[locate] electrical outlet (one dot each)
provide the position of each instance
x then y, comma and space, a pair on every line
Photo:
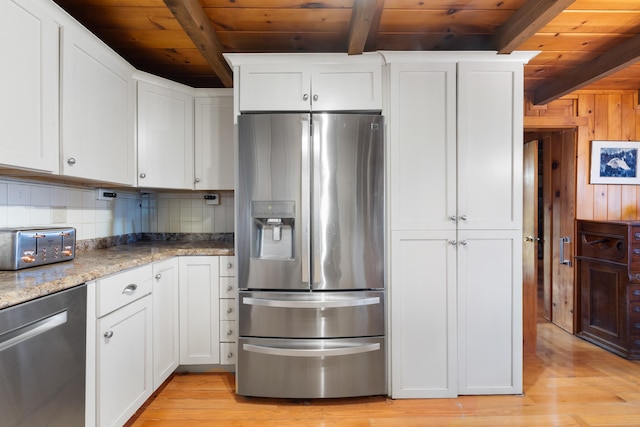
212, 199
106, 194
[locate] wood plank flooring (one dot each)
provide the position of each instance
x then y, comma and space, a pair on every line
568, 382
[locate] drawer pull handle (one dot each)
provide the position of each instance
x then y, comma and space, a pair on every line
636, 236
636, 309
130, 289
636, 292
636, 251
108, 334
637, 342
636, 325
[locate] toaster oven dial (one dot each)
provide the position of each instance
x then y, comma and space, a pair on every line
28, 257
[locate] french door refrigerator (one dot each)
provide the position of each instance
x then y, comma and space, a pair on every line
310, 255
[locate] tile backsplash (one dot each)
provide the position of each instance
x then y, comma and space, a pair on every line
34, 204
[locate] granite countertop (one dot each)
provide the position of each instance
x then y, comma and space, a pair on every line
30, 283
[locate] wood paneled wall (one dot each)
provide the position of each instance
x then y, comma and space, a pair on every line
600, 115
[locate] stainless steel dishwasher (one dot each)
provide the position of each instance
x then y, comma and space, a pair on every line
42, 361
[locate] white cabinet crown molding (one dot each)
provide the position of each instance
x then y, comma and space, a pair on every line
523, 56
237, 59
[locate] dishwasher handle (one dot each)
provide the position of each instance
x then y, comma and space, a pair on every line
355, 302
31, 330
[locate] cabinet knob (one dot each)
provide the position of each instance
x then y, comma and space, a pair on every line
143, 175
229, 355
197, 180
71, 161
315, 98
108, 334
463, 217
229, 310
453, 242
158, 276
229, 288
229, 332
463, 242
453, 218
229, 265
305, 97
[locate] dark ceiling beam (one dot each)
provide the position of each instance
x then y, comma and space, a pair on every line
191, 17
527, 21
365, 17
613, 60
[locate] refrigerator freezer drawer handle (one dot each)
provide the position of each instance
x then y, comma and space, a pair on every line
311, 304
291, 352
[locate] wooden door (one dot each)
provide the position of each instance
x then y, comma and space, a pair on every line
560, 169
530, 246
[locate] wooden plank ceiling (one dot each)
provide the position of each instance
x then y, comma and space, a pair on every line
584, 44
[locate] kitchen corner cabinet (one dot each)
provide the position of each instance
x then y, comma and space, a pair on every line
29, 86
199, 310
308, 82
98, 110
455, 159
214, 138
165, 134
166, 333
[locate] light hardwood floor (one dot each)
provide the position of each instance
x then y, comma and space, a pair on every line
569, 382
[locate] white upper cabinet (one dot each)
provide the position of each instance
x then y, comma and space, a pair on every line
29, 86
98, 110
307, 82
490, 119
423, 149
214, 140
165, 134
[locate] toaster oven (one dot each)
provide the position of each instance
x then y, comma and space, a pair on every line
30, 247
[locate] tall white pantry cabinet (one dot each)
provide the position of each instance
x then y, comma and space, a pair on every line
454, 127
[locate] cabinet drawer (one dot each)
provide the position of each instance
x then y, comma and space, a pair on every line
123, 288
228, 331
634, 293
604, 247
227, 353
228, 287
227, 265
228, 309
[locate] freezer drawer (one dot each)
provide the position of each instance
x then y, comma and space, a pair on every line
306, 369
311, 314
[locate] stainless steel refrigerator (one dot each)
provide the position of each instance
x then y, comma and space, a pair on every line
310, 255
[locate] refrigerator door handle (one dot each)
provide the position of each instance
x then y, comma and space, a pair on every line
305, 208
311, 304
321, 352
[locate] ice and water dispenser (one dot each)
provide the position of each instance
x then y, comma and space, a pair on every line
273, 229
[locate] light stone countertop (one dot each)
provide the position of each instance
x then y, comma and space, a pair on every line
30, 283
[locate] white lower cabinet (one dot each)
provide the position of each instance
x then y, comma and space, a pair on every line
123, 345
199, 308
489, 314
166, 333
424, 328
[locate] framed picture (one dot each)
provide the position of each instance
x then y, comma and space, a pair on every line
615, 162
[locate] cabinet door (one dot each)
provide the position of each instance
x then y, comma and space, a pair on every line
29, 86
165, 137
166, 334
98, 110
490, 145
275, 87
214, 143
199, 310
490, 312
422, 151
423, 314
124, 376
346, 87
